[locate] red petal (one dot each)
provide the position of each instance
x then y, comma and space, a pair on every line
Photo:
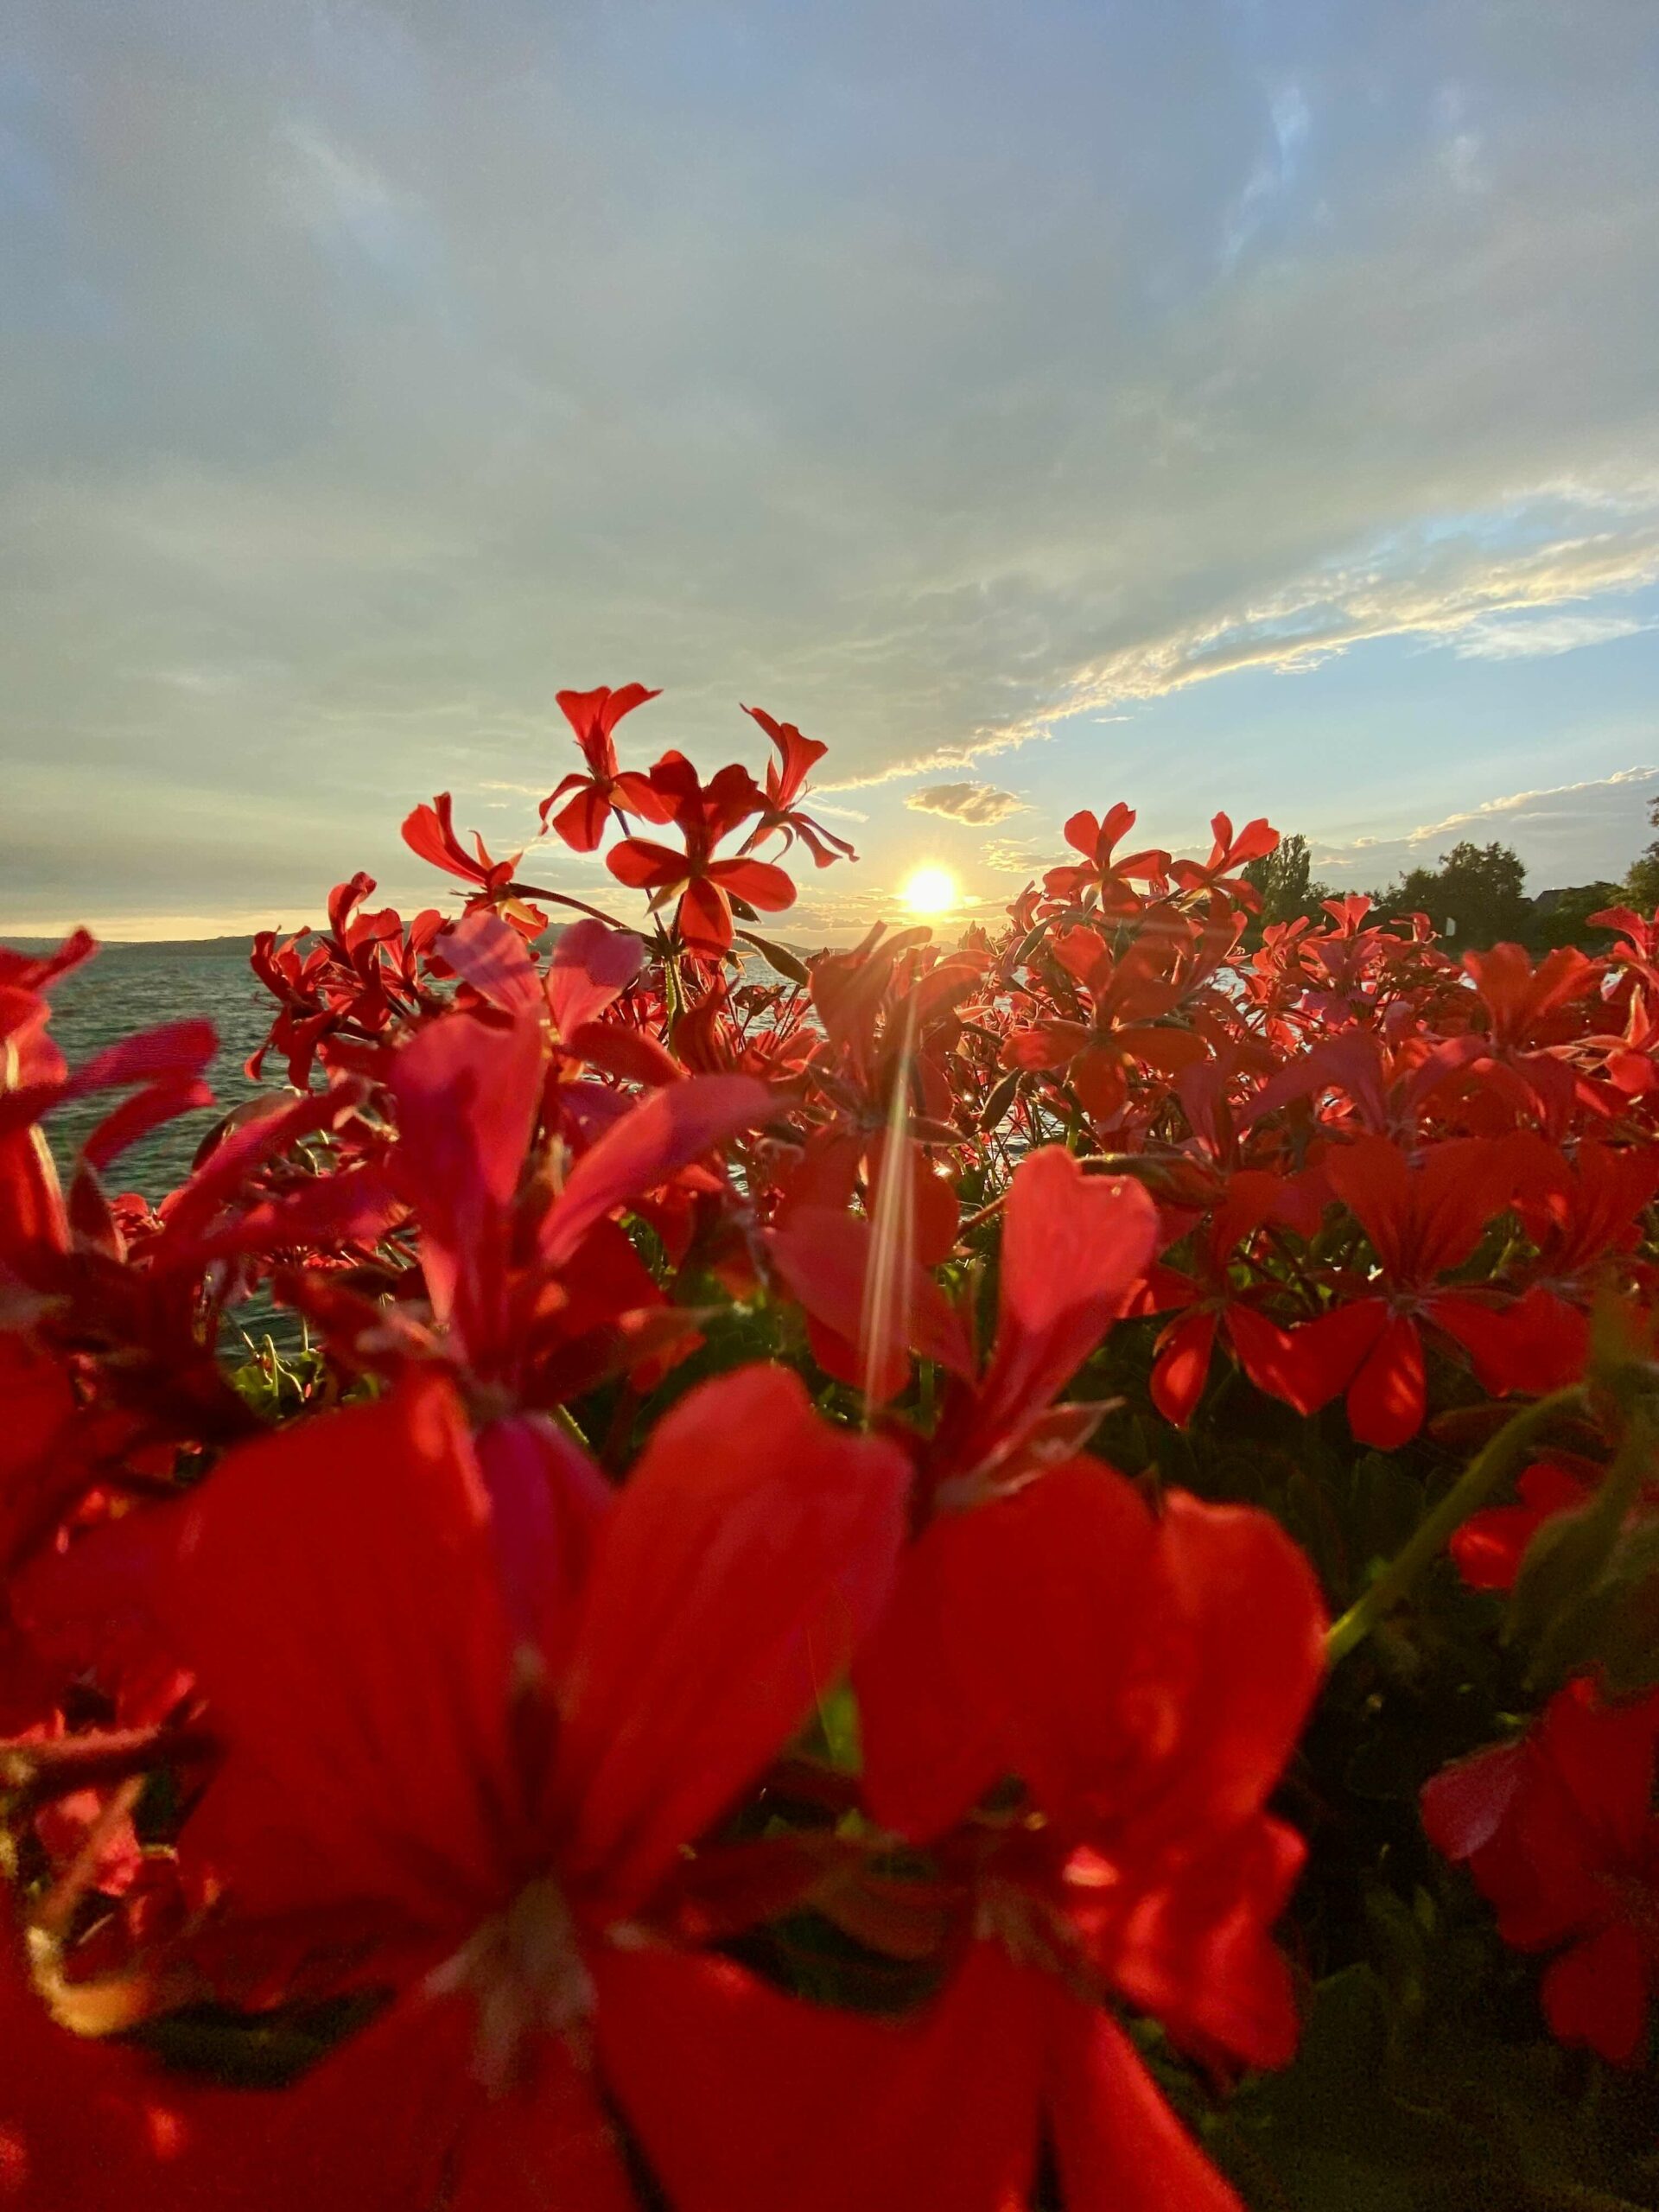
639, 795
592, 965
703, 919
826, 1259
1388, 1398
1599, 1993
1101, 1082
467, 1097
136, 1116
745, 2100
747, 1554
1182, 1366
580, 822
1464, 1804
646, 867
485, 952
174, 1051
1265, 1351
544, 2142
601, 709
933, 1746
1233, 1656
757, 881
334, 1590
1538, 1343
1073, 1248
1489, 1547
1121, 2148
429, 831
664, 1133
1196, 1950
632, 1054
1031, 1603
1324, 1356
1044, 1045
548, 1502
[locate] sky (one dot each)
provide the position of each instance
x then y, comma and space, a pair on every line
1242, 405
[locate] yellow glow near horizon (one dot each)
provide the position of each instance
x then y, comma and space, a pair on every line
932, 891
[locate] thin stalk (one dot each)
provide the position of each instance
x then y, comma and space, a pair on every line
885, 1319
1502, 1456
562, 899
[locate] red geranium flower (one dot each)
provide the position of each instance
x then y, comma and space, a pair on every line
472, 1723
1560, 1831
1107, 877
589, 799
1423, 1219
703, 814
786, 785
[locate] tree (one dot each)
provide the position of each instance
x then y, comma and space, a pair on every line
1641, 884
1566, 918
1282, 878
1477, 896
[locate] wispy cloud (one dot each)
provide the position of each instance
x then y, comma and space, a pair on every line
1550, 799
1488, 638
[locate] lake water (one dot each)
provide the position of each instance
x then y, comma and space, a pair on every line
131, 986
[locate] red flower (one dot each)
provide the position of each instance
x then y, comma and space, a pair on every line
1211, 1300
703, 814
1489, 1548
590, 798
1228, 855
1559, 1832
1109, 878
486, 1790
785, 784
1074, 1249
430, 831
744, 2098
1125, 1000
468, 1094
1423, 1220
1146, 1680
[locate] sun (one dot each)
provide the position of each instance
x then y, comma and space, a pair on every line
932, 891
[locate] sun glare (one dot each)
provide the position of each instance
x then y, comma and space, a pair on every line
932, 891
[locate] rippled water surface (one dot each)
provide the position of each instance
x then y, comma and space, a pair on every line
130, 987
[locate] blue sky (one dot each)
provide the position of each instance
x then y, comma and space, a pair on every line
1229, 405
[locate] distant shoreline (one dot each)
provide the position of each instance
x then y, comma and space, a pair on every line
112, 947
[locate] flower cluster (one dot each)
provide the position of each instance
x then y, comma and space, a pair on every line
650, 1689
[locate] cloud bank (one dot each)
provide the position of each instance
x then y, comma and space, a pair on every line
373, 371
1563, 832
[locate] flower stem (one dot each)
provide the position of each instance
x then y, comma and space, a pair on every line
1499, 1458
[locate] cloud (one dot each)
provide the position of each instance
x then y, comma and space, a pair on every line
1028, 857
1564, 832
1489, 640
980, 805
916, 386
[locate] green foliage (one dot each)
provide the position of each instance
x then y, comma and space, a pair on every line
1282, 877
1477, 896
1402, 2101
1641, 884
1568, 921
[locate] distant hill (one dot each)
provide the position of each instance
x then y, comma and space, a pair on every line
193, 948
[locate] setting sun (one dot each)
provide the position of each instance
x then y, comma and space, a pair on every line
932, 891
